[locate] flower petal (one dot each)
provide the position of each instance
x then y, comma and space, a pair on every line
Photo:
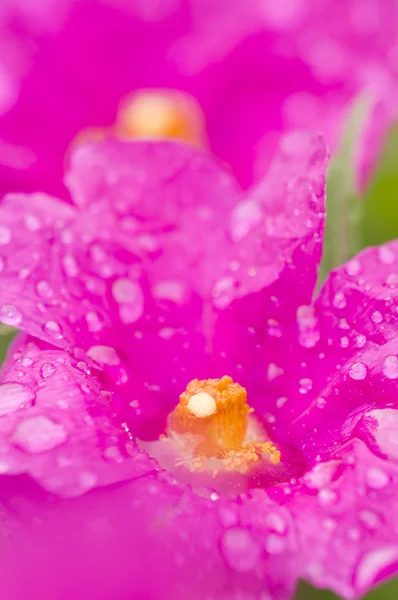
346, 520
144, 538
340, 351
57, 423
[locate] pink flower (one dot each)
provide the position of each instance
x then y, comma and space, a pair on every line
163, 271
245, 73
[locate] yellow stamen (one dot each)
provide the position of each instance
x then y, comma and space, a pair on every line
160, 114
210, 426
153, 113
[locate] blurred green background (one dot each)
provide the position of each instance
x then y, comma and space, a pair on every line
376, 222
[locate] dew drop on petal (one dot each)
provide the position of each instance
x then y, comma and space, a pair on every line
38, 434
47, 370
103, 355
26, 361
386, 255
53, 329
240, 550
44, 290
70, 266
358, 371
373, 564
376, 316
5, 235
32, 222
339, 300
14, 396
10, 315
353, 267
376, 478
88, 480
124, 290
369, 518
94, 322
390, 367
305, 385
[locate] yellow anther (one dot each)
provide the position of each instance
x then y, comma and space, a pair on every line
210, 426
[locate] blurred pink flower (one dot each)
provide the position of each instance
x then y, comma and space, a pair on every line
130, 293
256, 69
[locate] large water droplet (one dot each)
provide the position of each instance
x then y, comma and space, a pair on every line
70, 266
377, 478
376, 316
44, 290
14, 396
339, 300
390, 367
47, 370
128, 294
240, 550
38, 434
94, 322
103, 355
373, 564
10, 315
53, 329
358, 371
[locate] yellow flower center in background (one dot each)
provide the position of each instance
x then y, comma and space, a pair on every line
154, 113
211, 428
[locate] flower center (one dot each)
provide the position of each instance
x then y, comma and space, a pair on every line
212, 427
154, 113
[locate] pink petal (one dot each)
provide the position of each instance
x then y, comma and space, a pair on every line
346, 522
58, 426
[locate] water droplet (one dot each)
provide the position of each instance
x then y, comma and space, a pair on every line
390, 367
26, 361
103, 355
376, 316
70, 266
360, 341
5, 235
47, 370
38, 434
344, 342
32, 222
274, 544
83, 366
53, 329
369, 518
94, 322
128, 294
10, 315
358, 371
376, 478
275, 522
240, 550
174, 291
44, 290
305, 385
353, 267
372, 565
327, 497
88, 480
281, 401
273, 371
339, 300
14, 396
167, 333
309, 334
274, 329
386, 255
